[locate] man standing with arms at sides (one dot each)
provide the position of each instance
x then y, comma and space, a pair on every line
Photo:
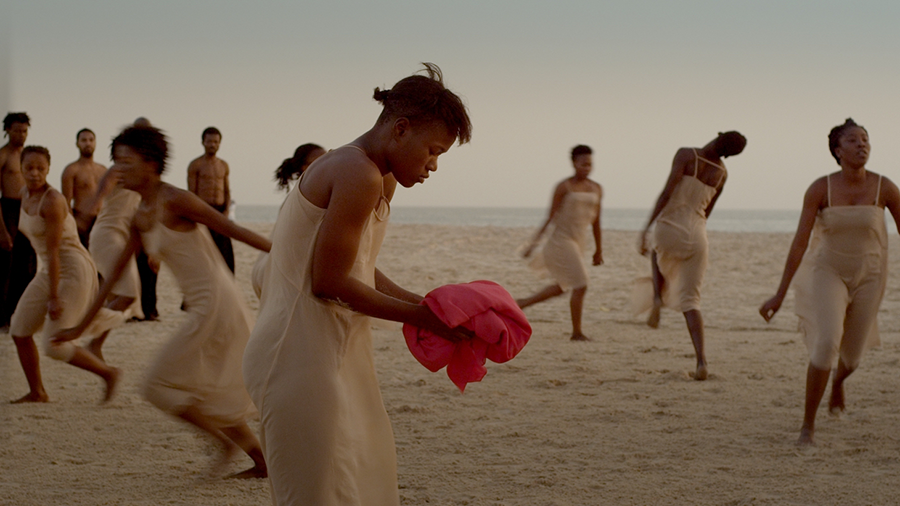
208, 179
17, 260
79, 183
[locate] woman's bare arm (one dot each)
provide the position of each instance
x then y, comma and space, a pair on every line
812, 202
559, 193
54, 211
190, 207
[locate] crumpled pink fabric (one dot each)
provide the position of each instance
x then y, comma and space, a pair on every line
485, 308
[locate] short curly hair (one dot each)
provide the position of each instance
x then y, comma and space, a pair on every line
148, 142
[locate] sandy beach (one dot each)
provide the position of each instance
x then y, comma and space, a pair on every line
614, 421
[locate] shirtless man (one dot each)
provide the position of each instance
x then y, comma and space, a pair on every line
79, 183
17, 260
208, 179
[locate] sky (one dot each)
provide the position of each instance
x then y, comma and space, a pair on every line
634, 79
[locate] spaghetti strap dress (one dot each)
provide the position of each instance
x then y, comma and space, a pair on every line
309, 368
78, 286
200, 366
680, 241
563, 253
108, 239
840, 282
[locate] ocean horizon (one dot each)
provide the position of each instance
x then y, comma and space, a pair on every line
722, 220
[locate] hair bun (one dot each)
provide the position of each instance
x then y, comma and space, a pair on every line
381, 95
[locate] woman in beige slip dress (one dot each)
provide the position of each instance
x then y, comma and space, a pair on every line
65, 283
110, 235
197, 374
575, 207
840, 279
680, 249
309, 362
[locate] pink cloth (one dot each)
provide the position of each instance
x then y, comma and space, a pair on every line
485, 308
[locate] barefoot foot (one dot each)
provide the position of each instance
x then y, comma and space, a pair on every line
836, 401
701, 373
806, 437
579, 337
31, 397
111, 383
253, 472
217, 470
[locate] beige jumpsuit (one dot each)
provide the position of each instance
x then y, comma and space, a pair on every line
309, 368
840, 282
680, 242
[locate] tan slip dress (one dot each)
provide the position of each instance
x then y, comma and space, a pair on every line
78, 286
309, 368
840, 282
563, 253
200, 365
108, 239
680, 241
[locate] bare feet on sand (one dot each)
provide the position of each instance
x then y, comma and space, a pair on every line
806, 437
701, 373
653, 319
217, 470
111, 383
836, 402
31, 397
579, 337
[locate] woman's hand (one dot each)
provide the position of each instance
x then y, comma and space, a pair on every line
598, 257
65, 335
771, 306
428, 320
54, 308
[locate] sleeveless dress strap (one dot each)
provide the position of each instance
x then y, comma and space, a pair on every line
878, 191
828, 181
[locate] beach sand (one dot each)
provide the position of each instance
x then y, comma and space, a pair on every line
614, 421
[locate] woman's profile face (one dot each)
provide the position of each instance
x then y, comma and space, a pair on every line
853, 147
35, 168
130, 167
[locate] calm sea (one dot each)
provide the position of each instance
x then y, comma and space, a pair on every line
723, 220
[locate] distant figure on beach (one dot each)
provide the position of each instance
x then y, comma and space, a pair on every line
60, 293
208, 179
309, 365
18, 262
197, 375
841, 278
79, 183
286, 174
574, 208
680, 248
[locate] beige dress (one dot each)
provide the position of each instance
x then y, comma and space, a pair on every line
563, 253
680, 239
201, 365
108, 239
840, 282
78, 286
309, 369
